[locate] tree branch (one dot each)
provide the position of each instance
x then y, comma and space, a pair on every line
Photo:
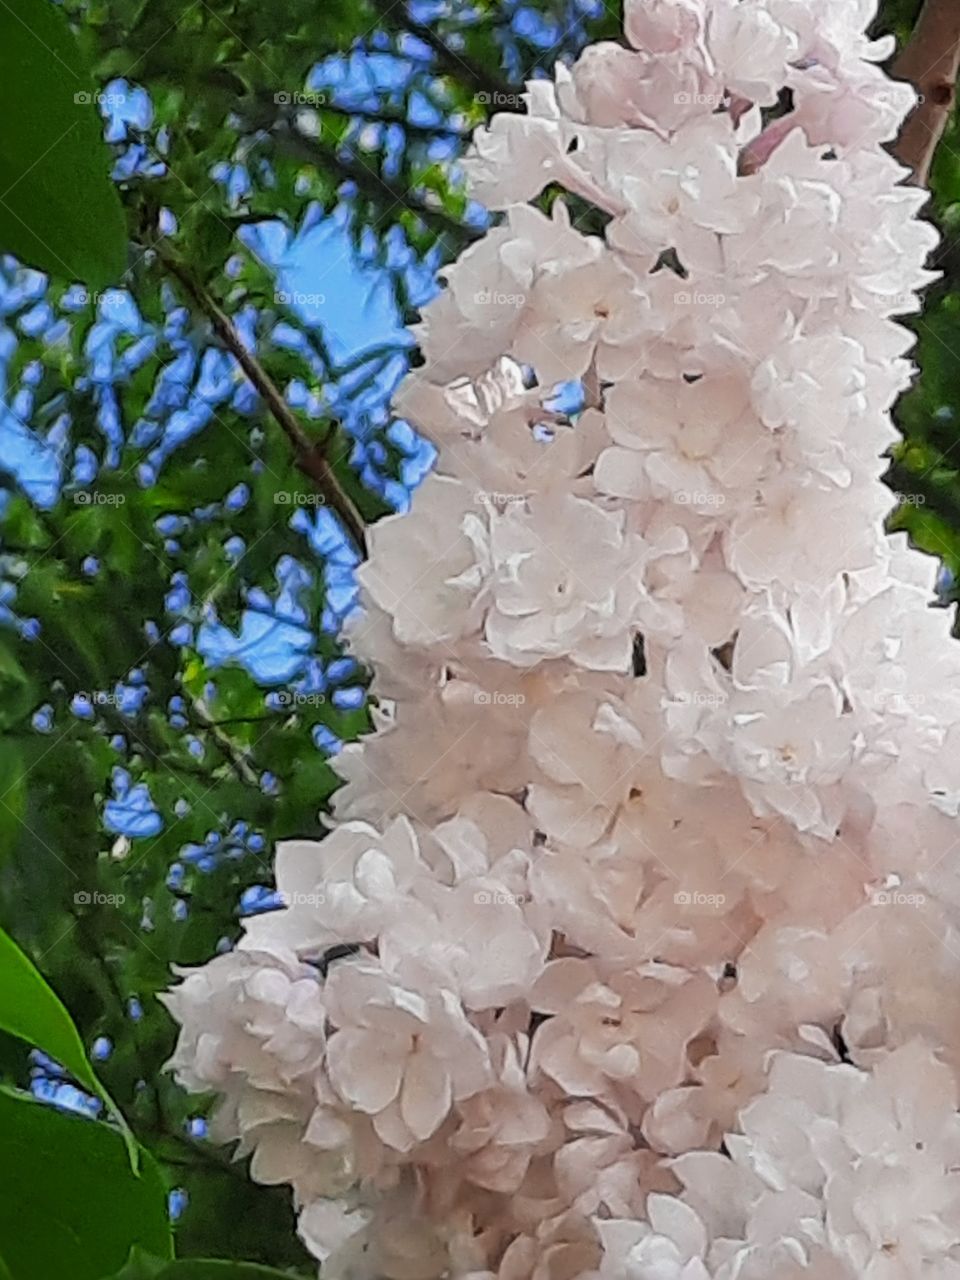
310, 455
363, 115
929, 61
235, 754
460, 65
425, 132
316, 152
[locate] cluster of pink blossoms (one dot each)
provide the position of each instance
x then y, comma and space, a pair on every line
634, 951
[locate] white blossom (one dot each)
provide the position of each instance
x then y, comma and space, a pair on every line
633, 951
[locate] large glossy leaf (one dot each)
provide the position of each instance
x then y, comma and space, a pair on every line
142, 1267
69, 1203
32, 1012
59, 209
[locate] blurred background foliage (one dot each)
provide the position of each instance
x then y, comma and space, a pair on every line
187, 452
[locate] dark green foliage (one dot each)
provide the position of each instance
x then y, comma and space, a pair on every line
925, 469
70, 1205
59, 211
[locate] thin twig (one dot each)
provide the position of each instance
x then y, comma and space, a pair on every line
460, 65
310, 455
929, 61
237, 756
368, 180
362, 115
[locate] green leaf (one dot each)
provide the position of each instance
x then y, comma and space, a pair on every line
219, 1269
69, 1204
13, 796
59, 209
139, 1266
142, 1267
31, 1011
17, 693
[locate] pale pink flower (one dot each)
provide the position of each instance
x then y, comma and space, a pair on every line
752, 50
693, 444
257, 1015
400, 1056
547, 600
859, 1166
648, 865
474, 938
628, 1029
423, 567
344, 888
501, 1128
664, 26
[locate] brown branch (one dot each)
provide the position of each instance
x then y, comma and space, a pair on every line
310, 455
929, 61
